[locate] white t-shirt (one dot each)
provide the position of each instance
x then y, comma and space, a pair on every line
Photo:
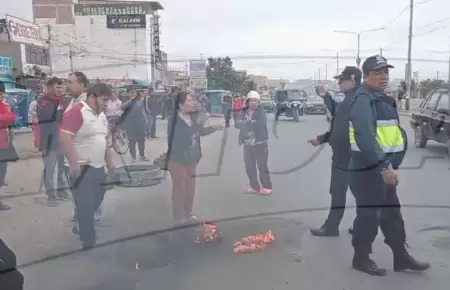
113, 108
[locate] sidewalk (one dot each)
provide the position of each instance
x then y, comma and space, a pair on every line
24, 176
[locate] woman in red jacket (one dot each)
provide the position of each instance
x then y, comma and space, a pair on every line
7, 152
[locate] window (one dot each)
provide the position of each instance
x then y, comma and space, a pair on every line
433, 101
36, 55
443, 102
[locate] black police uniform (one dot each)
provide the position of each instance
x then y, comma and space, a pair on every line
377, 202
338, 138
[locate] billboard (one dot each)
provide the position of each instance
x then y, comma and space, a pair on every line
198, 83
24, 32
197, 68
113, 9
125, 21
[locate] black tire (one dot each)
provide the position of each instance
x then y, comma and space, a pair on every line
420, 137
139, 175
120, 141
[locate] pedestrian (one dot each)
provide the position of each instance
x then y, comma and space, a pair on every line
7, 151
378, 145
78, 83
134, 119
253, 134
10, 277
184, 153
337, 136
33, 119
238, 105
50, 111
83, 137
227, 108
153, 108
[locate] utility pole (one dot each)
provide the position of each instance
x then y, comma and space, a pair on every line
358, 59
152, 52
319, 74
437, 75
49, 41
71, 57
381, 51
326, 71
448, 65
337, 63
408, 73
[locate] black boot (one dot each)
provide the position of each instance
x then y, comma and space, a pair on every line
325, 231
366, 265
404, 261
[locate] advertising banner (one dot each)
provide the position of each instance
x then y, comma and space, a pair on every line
125, 21
24, 32
197, 68
5, 65
198, 83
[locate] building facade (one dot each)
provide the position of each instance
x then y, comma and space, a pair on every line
104, 39
259, 81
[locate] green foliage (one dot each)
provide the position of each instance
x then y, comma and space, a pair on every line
222, 76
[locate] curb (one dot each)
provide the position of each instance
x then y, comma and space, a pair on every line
404, 113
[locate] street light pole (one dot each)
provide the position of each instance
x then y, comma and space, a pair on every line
408, 67
358, 36
449, 64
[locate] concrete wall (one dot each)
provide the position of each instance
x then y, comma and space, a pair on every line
98, 51
12, 50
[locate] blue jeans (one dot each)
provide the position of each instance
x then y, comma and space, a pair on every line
151, 126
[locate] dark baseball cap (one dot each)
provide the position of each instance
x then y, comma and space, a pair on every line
348, 72
375, 62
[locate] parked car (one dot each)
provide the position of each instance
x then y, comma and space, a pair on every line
267, 103
431, 120
315, 105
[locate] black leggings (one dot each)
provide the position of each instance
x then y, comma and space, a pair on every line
136, 135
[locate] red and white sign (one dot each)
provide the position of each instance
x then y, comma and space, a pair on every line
24, 32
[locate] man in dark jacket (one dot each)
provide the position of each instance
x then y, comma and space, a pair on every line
337, 137
50, 111
10, 277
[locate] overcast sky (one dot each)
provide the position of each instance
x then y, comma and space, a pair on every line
291, 27
248, 27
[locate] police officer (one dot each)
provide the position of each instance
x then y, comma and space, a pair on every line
378, 145
337, 136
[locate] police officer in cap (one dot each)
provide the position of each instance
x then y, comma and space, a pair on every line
378, 145
337, 136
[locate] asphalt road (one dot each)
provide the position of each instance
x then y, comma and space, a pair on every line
135, 257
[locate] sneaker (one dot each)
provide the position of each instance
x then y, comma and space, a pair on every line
52, 202
133, 160
64, 195
4, 206
154, 137
266, 191
88, 245
325, 232
143, 158
252, 191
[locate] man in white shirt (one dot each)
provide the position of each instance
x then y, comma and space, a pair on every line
113, 106
83, 140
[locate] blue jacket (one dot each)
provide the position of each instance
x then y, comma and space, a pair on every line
255, 126
368, 107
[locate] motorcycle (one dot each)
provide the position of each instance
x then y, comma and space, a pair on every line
290, 109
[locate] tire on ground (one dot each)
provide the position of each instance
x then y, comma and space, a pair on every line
138, 175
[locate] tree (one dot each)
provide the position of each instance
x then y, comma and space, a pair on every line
428, 85
222, 76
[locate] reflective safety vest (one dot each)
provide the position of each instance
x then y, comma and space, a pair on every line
389, 136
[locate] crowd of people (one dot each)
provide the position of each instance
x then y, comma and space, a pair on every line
365, 135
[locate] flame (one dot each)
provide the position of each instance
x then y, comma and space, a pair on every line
208, 232
253, 243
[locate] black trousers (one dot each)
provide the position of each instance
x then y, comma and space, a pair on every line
88, 191
3, 171
136, 135
377, 206
256, 158
11, 280
339, 183
228, 117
